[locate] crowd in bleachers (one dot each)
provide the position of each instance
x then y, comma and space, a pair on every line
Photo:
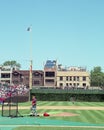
7, 90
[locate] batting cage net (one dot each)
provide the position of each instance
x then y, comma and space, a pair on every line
10, 109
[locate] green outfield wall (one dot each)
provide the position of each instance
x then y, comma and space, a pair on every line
68, 95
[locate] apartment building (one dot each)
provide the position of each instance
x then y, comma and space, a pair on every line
6, 74
15, 76
22, 77
50, 69
53, 75
73, 77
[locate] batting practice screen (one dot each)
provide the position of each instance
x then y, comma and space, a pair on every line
9, 109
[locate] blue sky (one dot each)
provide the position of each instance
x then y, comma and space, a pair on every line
70, 31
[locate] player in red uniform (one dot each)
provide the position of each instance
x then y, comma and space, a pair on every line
34, 100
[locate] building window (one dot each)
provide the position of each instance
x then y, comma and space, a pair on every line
66, 78
74, 84
5, 75
49, 74
15, 74
70, 78
84, 78
74, 78
84, 84
77, 78
70, 84
61, 84
61, 78
49, 80
36, 82
36, 74
67, 84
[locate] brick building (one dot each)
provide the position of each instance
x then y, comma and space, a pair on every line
22, 77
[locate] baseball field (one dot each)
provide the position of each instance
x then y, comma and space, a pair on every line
62, 115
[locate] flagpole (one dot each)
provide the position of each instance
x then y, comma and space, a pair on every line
30, 80
30, 71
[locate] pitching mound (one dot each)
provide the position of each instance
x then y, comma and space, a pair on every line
64, 114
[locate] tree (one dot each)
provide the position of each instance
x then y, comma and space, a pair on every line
12, 63
97, 77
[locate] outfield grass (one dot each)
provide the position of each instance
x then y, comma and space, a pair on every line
84, 116
64, 103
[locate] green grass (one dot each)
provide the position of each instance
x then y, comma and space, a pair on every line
64, 103
84, 116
